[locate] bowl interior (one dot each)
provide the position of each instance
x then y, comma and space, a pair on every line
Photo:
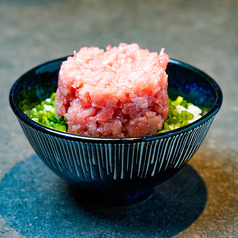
192, 84
36, 85
184, 80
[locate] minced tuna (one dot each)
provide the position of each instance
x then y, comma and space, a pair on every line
120, 92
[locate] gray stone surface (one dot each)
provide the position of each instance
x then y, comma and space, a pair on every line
201, 33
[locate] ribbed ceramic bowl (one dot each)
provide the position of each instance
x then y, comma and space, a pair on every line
116, 171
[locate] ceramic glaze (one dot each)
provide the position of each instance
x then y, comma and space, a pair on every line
117, 170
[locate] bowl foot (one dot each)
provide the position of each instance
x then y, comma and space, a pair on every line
110, 198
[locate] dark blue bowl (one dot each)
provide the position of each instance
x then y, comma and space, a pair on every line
121, 170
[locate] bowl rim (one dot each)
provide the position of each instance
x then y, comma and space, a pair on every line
210, 114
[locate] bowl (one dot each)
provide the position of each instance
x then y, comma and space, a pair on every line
116, 171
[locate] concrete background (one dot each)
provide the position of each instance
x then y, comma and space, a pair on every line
202, 33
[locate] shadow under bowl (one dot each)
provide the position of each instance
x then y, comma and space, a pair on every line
116, 170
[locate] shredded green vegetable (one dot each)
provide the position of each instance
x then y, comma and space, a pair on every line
44, 114
178, 116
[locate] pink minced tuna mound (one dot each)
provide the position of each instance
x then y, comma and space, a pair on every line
120, 92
